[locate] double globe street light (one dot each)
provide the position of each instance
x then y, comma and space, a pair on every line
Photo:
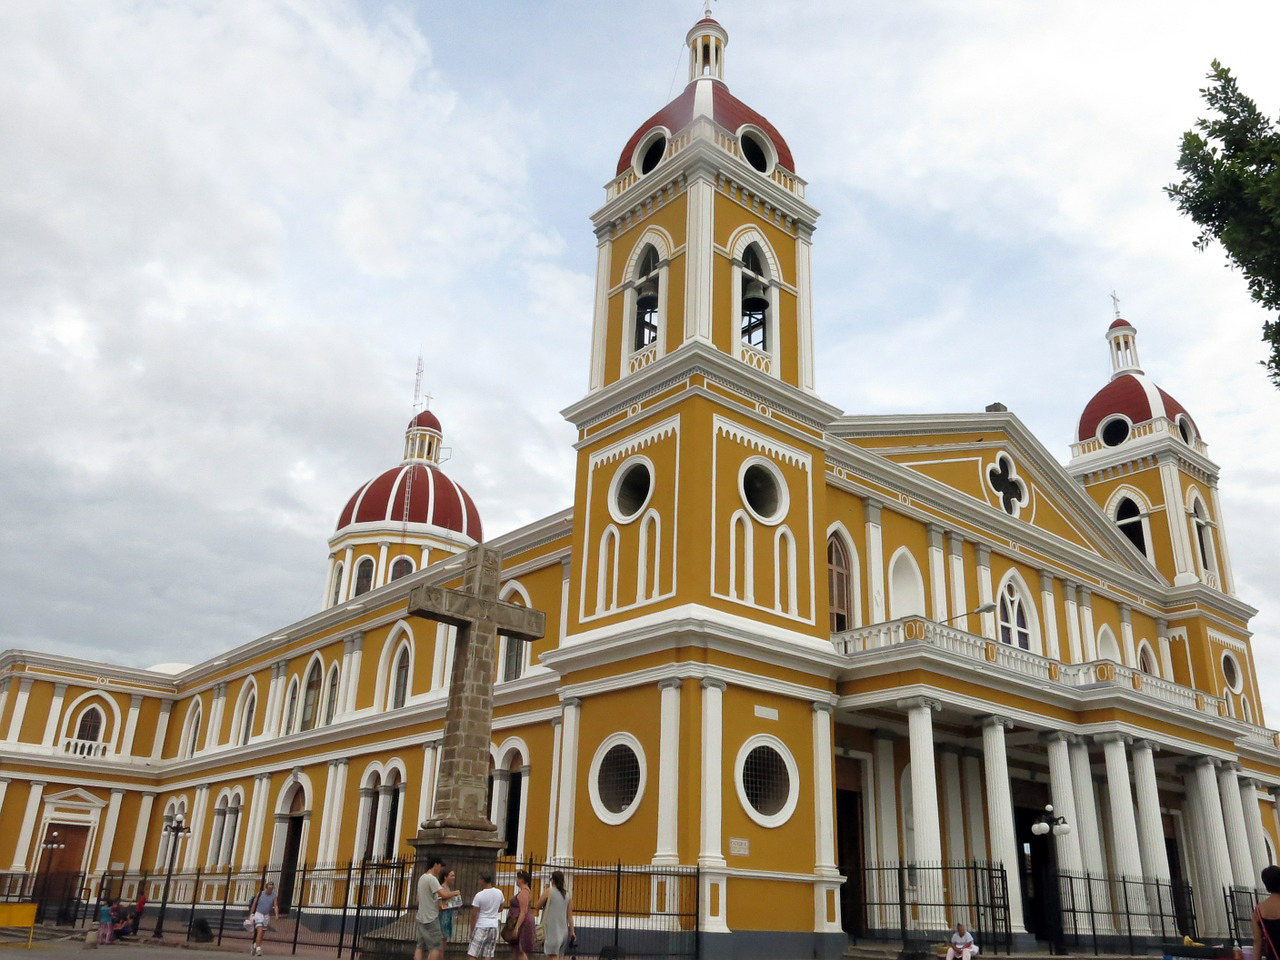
175, 830
1047, 824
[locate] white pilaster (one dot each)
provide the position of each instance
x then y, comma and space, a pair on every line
804, 314
711, 850
1183, 561
600, 320
257, 816
357, 658
1124, 834
1089, 635
668, 851
953, 791
198, 809
1253, 825
1155, 858
1004, 848
107, 832
55, 715
568, 778
1127, 648
130, 725
886, 799
1071, 613
19, 710
213, 729
380, 575
875, 561
699, 200
141, 827
975, 812
230, 827
26, 832
1050, 619
924, 779
1166, 650
162, 728
1064, 799
334, 825
1211, 827
959, 604
985, 592
1233, 821
937, 573
344, 593
824, 790
427, 793
1086, 823
553, 799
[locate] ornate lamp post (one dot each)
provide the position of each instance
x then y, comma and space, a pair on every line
175, 830
1047, 824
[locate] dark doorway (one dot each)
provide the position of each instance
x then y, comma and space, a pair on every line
511, 828
1036, 864
849, 860
292, 845
1182, 909
58, 871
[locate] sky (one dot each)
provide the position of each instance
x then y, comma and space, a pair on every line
228, 230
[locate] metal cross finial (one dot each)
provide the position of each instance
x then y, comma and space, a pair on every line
1115, 302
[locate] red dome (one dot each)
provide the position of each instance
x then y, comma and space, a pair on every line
1134, 396
726, 110
1117, 323
425, 419
433, 499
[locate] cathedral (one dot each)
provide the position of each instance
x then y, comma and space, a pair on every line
785, 645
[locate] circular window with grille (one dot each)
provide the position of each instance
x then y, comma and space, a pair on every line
631, 489
768, 780
1231, 673
617, 778
763, 490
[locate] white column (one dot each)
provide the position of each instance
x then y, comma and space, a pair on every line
668, 850
1064, 799
333, 827
1155, 858
257, 811
380, 576
937, 573
326, 818
952, 790
804, 309
1071, 613
130, 725
216, 837
1050, 617
1253, 826
1275, 807
198, 808
985, 593
886, 799
162, 728
522, 819
554, 792
275, 696
55, 715
711, 850
698, 286
213, 728
600, 323
975, 810
875, 561
353, 683
141, 827
1212, 828
1233, 820
30, 817
924, 779
1086, 809
1124, 834
1004, 848
107, 832
1166, 651
230, 827
19, 710
959, 604
381, 822
5, 683
427, 794
824, 789
1220, 540
1089, 636
1127, 648
345, 592
1183, 562
568, 778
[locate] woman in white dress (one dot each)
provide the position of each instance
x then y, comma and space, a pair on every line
557, 917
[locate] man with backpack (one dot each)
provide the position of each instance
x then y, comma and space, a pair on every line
261, 911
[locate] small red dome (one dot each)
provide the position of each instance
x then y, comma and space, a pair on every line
1121, 323
1134, 396
426, 419
433, 499
726, 110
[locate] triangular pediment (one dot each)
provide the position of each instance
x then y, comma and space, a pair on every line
75, 797
995, 461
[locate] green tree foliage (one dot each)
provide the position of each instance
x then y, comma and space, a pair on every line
1231, 189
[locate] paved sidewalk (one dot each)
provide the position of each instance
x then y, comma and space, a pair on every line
127, 950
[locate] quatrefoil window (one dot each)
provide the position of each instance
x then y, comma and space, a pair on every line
1007, 485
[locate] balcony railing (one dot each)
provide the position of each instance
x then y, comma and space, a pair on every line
84, 748
991, 655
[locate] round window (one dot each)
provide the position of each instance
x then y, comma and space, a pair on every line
617, 778
1184, 429
1115, 432
1231, 672
754, 151
631, 488
763, 490
768, 781
650, 153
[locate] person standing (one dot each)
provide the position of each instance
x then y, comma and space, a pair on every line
526, 940
430, 945
448, 905
557, 917
486, 905
1266, 918
261, 912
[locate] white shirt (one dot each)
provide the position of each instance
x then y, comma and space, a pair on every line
490, 901
959, 941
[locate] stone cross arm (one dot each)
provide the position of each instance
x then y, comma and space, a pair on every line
465, 610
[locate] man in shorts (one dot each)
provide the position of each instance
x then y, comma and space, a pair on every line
430, 936
487, 904
261, 912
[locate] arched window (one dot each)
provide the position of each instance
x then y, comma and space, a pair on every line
364, 576
838, 584
755, 300
1129, 520
906, 587
331, 695
337, 586
90, 728
1015, 626
246, 724
371, 822
1204, 537
646, 319
193, 732
1147, 661
1108, 649
291, 711
401, 568
400, 686
311, 697
393, 813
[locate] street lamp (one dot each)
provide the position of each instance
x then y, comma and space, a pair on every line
175, 830
1046, 824
987, 607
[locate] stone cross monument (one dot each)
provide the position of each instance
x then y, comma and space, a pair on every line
459, 829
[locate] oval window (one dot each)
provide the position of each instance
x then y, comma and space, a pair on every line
652, 153
619, 778
754, 151
1115, 432
632, 486
763, 491
1231, 672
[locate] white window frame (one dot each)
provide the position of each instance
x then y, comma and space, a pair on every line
620, 738
793, 777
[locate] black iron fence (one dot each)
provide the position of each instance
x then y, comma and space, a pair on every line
1104, 914
1240, 903
368, 909
57, 896
918, 903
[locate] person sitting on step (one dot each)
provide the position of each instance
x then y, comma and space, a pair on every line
962, 945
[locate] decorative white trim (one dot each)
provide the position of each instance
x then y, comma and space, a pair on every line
904, 555
784, 493
621, 738
793, 778
763, 140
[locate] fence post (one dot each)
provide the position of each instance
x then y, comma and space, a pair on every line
1093, 916
617, 907
902, 903
297, 916
226, 895
195, 896
697, 912
346, 896
355, 930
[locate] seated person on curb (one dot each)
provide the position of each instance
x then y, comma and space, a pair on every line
962, 945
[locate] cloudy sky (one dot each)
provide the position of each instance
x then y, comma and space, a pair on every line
227, 230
